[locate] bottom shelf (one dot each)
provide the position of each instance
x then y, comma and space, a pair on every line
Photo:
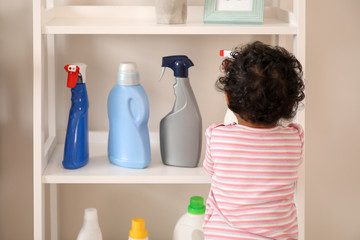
100, 170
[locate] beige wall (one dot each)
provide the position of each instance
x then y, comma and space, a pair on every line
332, 120
332, 114
15, 120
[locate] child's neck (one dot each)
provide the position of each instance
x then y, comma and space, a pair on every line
253, 125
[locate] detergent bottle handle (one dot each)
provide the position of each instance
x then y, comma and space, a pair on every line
137, 109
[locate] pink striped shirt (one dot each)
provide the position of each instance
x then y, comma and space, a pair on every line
253, 180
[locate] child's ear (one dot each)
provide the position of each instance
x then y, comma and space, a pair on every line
227, 98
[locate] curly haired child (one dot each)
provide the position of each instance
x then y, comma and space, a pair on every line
253, 165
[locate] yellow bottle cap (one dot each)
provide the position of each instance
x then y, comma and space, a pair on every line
138, 230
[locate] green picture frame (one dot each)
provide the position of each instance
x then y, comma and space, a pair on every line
213, 15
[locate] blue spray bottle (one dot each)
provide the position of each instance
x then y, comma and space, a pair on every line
76, 152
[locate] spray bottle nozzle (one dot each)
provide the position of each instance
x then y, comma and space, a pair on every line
227, 54
178, 63
73, 74
74, 71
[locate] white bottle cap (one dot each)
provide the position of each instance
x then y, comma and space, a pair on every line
90, 229
90, 214
128, 74
82, 71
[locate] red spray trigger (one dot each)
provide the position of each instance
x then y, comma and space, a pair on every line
227, 55
73, 74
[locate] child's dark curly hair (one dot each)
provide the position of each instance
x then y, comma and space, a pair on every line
263, 83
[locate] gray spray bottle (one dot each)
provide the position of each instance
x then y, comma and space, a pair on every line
181, 130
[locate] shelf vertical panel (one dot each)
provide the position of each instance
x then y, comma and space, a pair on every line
38, 138
300, 49
50, 53
50, 50
54, 227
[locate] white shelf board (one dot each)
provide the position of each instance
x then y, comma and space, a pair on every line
142, 20
100, 170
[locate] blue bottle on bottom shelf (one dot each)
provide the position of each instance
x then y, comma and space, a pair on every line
128, 112
76, 152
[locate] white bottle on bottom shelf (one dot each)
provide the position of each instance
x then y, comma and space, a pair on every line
189, 226
90, 229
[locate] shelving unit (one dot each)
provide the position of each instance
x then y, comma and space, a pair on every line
284, 19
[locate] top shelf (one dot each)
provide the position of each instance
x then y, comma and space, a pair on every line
142, 20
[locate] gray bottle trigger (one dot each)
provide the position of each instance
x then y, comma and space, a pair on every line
181, 129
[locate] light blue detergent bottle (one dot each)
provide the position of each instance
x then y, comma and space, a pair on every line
128, 111
76, 151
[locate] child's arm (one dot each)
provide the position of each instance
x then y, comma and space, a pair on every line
208, 163
301, 136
